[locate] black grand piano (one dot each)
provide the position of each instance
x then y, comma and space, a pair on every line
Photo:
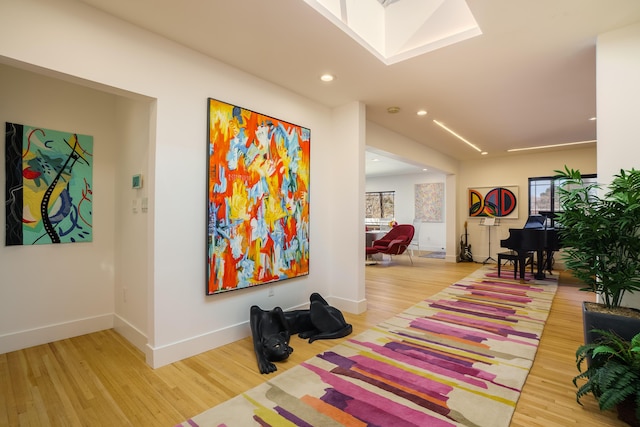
534, 237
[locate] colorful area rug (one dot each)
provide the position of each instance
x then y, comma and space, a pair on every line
458, 358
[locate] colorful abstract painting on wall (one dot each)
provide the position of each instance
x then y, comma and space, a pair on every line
49, 194
500, 202
258, 199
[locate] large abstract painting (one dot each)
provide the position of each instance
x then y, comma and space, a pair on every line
498, 202
49, 193
258, 199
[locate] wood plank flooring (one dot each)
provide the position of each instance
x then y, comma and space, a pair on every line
101, 380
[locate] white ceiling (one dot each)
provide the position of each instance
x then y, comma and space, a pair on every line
528, 80
379, 163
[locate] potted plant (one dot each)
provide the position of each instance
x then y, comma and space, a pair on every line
601, 246
613, 374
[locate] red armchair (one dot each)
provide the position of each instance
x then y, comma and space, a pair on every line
395, 242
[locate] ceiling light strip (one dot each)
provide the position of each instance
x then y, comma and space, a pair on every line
539, 147
457, 136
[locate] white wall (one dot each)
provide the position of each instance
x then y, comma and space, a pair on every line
345, 169
49, 292
89, 47
432, 235
392, 142
618, 95
133, 227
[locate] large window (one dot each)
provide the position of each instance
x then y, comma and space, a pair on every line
544, 196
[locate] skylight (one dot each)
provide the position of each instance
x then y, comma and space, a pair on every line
396, 30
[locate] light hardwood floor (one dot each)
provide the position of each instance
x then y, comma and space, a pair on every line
101, 380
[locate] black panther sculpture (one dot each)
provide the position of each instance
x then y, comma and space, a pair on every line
271, 329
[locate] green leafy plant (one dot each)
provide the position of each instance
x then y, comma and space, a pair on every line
600, 235
613, 374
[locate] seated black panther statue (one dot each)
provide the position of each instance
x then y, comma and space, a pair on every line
272, 329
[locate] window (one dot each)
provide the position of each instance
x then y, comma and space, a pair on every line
379, 205
544, 196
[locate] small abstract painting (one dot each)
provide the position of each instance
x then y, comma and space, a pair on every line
258, 199
499, 202
49, 193
429, 203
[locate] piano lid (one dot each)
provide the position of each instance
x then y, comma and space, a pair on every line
535, 221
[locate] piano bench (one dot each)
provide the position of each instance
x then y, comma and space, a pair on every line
515, 258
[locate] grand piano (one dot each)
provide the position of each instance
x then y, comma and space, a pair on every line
534, 237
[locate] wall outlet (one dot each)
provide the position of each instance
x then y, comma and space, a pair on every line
124, 294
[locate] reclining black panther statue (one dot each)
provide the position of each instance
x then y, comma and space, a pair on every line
271, 329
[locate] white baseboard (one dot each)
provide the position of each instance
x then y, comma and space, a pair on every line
166, 354
132, 334
155, 356
350, 306
50, 333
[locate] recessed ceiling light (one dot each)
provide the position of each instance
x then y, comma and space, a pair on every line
422, 112
593, 119
327, 77
393, 110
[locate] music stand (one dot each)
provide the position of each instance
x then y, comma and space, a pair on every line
489, 222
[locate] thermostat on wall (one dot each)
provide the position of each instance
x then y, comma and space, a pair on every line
136, 181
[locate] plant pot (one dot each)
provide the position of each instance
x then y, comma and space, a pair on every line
624, 321
627, 413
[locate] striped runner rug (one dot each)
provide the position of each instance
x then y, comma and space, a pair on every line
459, 358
